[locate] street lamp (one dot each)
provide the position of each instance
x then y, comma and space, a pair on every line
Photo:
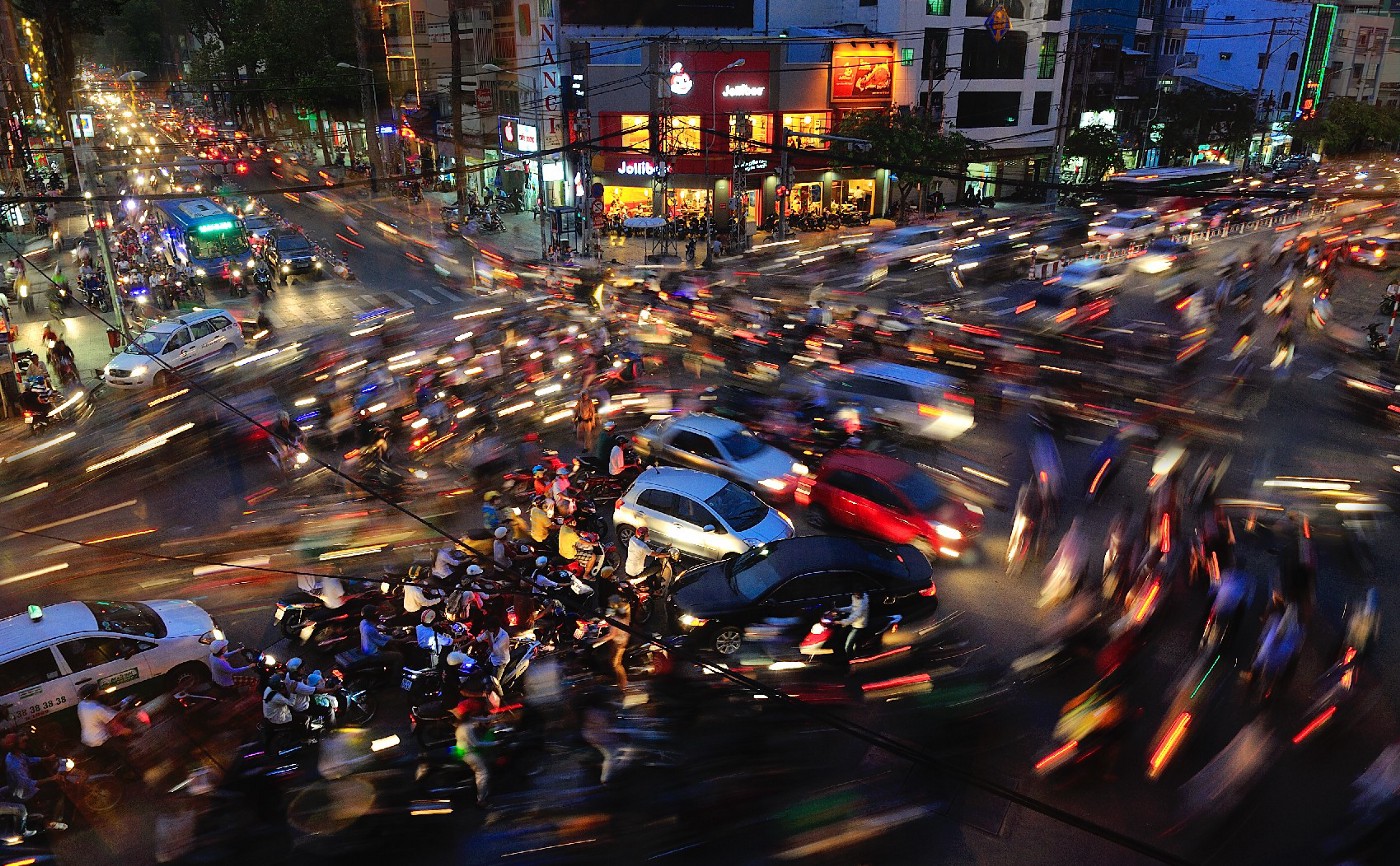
709, 177
374, 96
528, 87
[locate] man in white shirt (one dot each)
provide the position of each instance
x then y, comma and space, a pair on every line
449, 559
94, 718
331, 593
617, 460
432, 640
857, 618
416, 597
642, 560
496, 635
500, 551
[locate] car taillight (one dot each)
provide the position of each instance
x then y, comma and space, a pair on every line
930, 591
803, 494
618, 504
959, 398
929, 411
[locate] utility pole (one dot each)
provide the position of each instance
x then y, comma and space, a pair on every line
369, 97
663, 141
1259, 91
738, 210
459, 150
784, 184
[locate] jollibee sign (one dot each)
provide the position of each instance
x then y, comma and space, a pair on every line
694, 79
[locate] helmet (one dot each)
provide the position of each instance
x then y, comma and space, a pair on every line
609, 425
456, 659
474, 571
218, 646
541, 561
314, 679
563, 472
642, 532
537, 468
538, 500
491, 496
369, 611
428, 616
501, 532
294, 664
276, 681
589, 537
619, 440
418, 572
87, 690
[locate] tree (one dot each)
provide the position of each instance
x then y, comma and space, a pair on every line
1190, 116
1348, 126
1100, 149
912, 144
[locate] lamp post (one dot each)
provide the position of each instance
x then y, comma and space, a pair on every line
522, 84
375, 142
709, 176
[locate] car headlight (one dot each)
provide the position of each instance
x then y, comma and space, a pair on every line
799, 469
420, 474
286, 269
139, 370
200, 272
688, 621
775, 484
948, 532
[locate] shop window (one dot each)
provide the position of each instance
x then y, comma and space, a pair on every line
939, 7
806, 196
627, 201
935, 52
1049, 50
984, 57
986, 109
684, 134
815, 123
756, 128
1040, 109
636, 131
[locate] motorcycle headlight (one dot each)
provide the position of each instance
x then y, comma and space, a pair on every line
237, 273
251, 264
688, 621
286, 269
200, 272
302, 458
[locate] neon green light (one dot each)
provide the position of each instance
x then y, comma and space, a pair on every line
210, 228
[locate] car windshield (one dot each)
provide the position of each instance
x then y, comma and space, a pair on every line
1123, 222
737, 507
127, 618
920, 490
753, 574
293, 244
741, 444
151, 342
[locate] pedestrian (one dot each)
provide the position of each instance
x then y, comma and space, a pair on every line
585, 418
620, 612
938, 202
970, 196
473, 714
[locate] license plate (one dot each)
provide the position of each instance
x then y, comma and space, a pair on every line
277, 617
407, 683
29, 419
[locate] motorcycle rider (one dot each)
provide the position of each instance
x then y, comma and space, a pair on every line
331, 593
618, 463
642, 559
539, 578
222, 671
497, 638
620, 612
101, 726
856, 617
19, 776
449, 560
500, 549
472, 714
490, 512
276, 708
432, 639
568, 539
421, 590
301, 691
602, 447
374, 643
541, 519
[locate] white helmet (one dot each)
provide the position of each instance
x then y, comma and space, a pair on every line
502, 532
474, 571
456, 659
218, 646
541, 561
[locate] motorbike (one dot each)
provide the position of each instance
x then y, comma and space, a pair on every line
643, 594
1376, 343
26, 297
1089, 724
826, 635
1338, 687
293, 617
1030, 525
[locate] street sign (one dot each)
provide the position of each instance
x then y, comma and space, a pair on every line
597, 191
484, 103
597, 212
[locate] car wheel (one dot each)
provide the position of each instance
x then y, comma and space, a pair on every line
624, 534
226, 354
195, 673
728, 640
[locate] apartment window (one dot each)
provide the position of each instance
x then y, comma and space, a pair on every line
1343, 38
939, 7
985, 109
1143, 44
1286, 100
932, 102
1174, 45
684, 133
420, 20
1363, 37
1049, 49
935, 52
870, 2
1147, 9
636, 131
1040, 109
815, 122
984, 57
1054, 10
1358, 72
1226, 55
1293, 61
983, 8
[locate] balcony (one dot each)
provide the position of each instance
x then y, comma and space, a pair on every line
1193, 16
1188, 61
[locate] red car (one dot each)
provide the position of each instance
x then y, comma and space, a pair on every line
891, 500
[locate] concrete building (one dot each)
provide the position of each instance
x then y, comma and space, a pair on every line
1356, 63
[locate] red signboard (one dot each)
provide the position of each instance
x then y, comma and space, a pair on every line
697, 77
484, 103
862, 73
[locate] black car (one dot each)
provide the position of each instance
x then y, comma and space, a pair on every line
796, 577
291, 253
993, 257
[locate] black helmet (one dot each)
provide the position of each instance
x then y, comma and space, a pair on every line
369, 611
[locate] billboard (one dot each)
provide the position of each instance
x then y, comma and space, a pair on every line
862, 73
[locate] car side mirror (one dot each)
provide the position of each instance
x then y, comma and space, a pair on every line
709, 527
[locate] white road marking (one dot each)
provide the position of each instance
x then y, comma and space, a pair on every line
373, 302
1322, 373
36, 573
398, 299
237, 563
425, 296
354, 307
110, 508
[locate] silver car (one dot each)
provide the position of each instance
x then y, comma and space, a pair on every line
699, 514
721, 446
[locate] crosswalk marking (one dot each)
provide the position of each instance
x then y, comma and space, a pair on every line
372, 301
354, 307
398, 299
1323, 373
425, 296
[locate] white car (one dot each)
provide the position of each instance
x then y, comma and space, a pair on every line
699, 514
721, 446
1375, 251
1093, 277
1128, 227
907, 246
48, 654
174, 344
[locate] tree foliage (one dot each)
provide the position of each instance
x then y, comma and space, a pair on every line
1100, 149
913, 143
1190, 116
1346, 126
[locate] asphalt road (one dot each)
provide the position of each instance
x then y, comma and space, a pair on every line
1300, 429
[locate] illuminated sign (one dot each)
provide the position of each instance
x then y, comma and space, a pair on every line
210, 228
732, 90
528, 137
1108, 117
82, 124
862, 73
639, 167
680, 81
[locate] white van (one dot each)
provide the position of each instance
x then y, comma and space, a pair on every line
47, 654
906, 247
174, 344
